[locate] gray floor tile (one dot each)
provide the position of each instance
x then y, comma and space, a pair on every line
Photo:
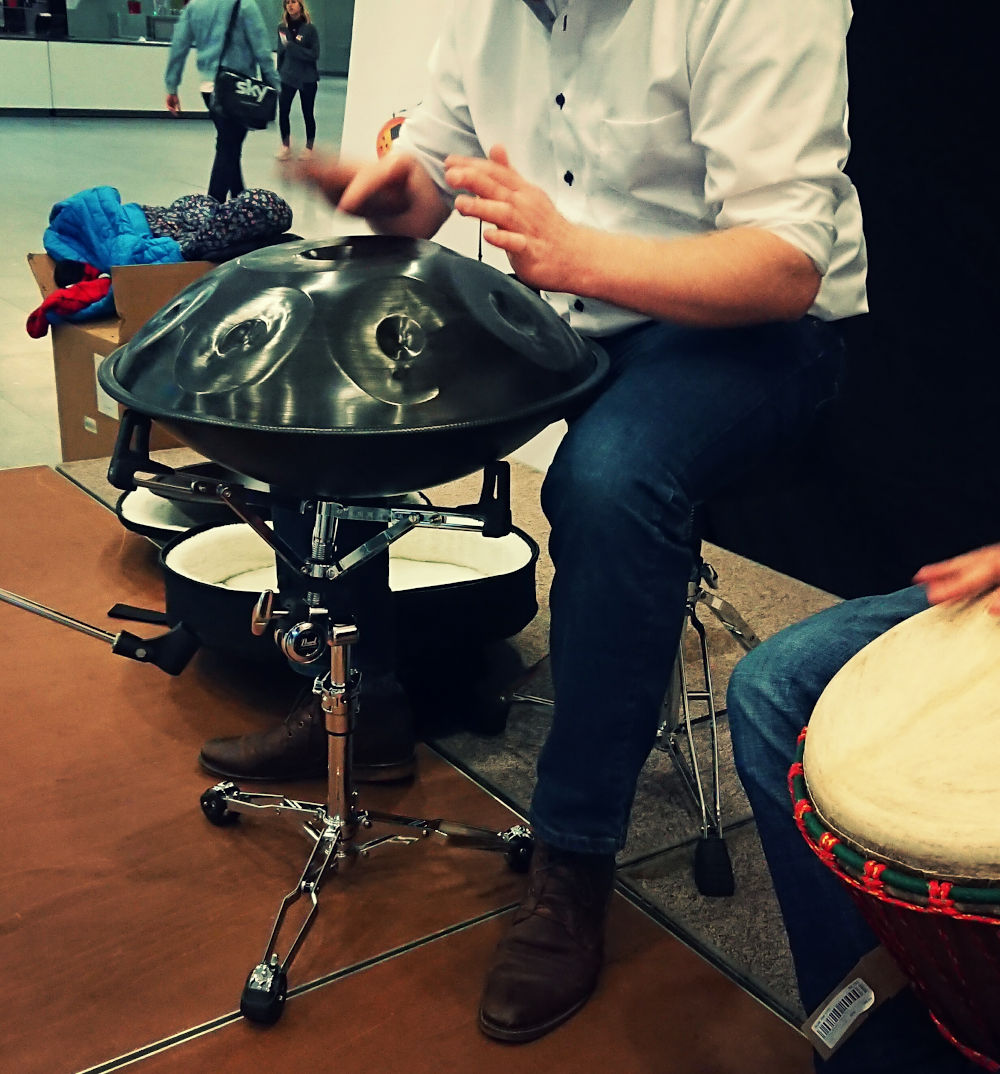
26, 441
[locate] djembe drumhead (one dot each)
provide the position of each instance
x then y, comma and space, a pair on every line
897, 793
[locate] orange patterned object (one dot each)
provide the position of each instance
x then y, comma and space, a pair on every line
387, 134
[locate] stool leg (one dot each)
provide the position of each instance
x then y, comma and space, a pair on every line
713, 870
712, 864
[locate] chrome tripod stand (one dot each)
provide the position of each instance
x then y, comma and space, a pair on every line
302, 631
713, 871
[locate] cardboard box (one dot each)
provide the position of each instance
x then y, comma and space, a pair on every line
88, 416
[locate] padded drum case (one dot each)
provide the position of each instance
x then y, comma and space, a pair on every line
452, 588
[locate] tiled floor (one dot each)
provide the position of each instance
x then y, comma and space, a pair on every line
150, 161
130, 923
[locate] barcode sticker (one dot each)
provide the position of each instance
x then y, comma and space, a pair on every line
843, 1010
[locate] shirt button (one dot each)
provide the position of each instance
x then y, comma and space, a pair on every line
568, 178
578, 306
560, 100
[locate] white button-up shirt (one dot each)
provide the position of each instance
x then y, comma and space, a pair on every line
662, 118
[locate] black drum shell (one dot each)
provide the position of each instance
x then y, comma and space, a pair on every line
429, 619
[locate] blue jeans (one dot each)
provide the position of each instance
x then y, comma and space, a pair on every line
772, 693
683, 413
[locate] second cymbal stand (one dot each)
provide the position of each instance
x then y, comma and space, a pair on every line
713, 871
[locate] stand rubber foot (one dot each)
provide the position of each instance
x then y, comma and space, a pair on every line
264, 995
518, 853
213, 805
713, 871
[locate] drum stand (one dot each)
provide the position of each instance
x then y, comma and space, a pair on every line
302, 631
713, 871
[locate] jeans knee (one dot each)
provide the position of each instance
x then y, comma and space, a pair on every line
588, 491
766, 713
572, 488
746, 682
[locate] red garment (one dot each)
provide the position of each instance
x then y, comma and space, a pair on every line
66, 300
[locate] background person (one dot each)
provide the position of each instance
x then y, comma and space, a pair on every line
202, 25
670, 178
298, 55
772, 694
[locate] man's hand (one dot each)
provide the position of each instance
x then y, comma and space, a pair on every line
395, 194
964, 576
545, 250
173, 104
738, 276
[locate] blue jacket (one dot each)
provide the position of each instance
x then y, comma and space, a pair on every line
202, 26
94, 226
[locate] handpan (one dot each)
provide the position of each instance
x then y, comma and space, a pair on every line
354, 368
897, 792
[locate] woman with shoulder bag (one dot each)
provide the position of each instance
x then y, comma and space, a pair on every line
204, 25
298, 53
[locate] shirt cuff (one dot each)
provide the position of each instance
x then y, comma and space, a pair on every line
800, 212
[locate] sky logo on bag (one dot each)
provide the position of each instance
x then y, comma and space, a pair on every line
247, 88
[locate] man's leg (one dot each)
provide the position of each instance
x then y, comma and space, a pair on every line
227, 175
771, 696
683, 413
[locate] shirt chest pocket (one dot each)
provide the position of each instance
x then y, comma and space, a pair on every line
637, 156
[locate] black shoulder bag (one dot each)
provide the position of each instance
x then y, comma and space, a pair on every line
240, 97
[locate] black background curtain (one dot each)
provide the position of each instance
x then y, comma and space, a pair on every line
904, 467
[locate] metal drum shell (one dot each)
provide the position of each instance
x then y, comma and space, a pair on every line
356, 368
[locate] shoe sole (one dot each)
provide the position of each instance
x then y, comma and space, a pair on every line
286, 777
530, 1033
384, 773
364, 773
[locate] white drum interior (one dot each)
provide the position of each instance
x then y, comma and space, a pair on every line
234, 557
143, 508
903, 750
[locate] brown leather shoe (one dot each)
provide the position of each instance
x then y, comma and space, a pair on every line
546, 967
383, 743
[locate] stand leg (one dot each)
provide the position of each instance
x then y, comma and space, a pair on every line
266, 988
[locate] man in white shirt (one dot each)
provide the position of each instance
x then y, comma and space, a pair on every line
668, 175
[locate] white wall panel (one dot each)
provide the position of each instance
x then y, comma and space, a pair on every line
125, 77
24, 74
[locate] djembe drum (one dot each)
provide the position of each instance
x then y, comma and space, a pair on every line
896, 790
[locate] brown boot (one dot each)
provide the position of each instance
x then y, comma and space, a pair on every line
546, 967
383, 742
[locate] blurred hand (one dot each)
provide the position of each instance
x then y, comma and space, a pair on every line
173, 104
394, 194
545, 250
965, 576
